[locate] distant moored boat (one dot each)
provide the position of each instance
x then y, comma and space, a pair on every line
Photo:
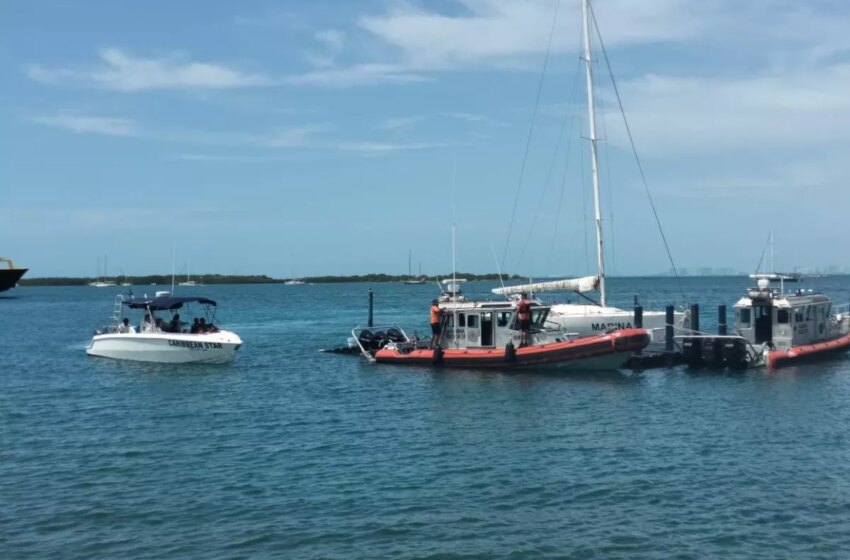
9, 276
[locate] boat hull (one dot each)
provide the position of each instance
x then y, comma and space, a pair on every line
608, 352
9, 277
167, 348
591, 320
795, 354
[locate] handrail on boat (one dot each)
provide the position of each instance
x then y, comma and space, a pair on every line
355, 334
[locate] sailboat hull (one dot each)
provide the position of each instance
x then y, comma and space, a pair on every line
593, 320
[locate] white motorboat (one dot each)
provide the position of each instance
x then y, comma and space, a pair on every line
294, 282
172, 342
591, 318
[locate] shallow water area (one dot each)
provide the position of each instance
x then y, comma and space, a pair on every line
290, 452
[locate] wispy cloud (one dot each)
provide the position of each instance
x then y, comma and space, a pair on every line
681, 114
396, 123
381, 148
120, 71
331, 42
81, 124
294, 137
357, 75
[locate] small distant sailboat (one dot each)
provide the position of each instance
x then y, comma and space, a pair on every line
189, 281
101, 281
774, 276
410, 279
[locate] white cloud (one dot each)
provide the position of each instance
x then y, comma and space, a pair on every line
672, 114
357, 75
123, 72
396, 123
378, 148
82, 124
294, 137
331, 41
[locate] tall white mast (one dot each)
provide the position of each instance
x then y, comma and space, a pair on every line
585, 17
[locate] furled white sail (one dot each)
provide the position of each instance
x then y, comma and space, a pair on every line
586, 284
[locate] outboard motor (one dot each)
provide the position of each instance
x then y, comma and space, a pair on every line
395, 335
368, 340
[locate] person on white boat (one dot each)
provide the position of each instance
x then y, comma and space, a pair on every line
174, 324
125, 327
523, 311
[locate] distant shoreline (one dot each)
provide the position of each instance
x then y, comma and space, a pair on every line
212, 279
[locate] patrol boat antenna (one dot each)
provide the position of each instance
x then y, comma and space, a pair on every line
585, 18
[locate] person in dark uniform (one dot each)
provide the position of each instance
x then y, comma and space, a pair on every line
435, 324
523, 311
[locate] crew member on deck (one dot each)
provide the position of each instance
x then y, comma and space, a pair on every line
435, 324
523, 311
125, 327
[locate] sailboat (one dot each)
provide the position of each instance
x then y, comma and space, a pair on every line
774, 276
189, 281
101, 281
410, 278
592, 318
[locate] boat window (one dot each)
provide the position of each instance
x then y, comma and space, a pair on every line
538, 316
461, 320
783, 316
503, 318
809, 314
798, 315
744, 317
472, 321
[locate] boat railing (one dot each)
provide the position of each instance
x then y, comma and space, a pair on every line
118, 309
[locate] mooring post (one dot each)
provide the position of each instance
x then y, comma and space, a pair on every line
721, 320
370, 307
638, 317
668, 329
695, 317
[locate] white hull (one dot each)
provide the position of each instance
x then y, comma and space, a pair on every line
167, 348
593, 320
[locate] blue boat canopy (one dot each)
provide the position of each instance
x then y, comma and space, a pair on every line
166, 303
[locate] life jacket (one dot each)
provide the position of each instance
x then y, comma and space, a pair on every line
435, 314
524, 311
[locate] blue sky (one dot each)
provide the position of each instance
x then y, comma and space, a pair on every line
327, 137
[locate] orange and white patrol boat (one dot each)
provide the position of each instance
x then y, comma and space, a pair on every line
485, 334
775, 328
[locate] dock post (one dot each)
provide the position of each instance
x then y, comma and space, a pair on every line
695, 317
371, 323
721, 320
638, 317
668, 329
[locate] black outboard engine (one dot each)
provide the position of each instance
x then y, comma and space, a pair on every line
395, 335
368, 340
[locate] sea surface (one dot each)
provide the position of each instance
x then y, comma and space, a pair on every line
289, 452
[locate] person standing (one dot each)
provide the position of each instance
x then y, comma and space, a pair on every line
435, 324
523, 311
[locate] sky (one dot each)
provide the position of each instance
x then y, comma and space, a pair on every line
301, 138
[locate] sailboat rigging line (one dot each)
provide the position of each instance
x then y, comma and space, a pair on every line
560, 204
763, 251
634, 151
552, 165
608, 180
498, 269
530, 131
585, 220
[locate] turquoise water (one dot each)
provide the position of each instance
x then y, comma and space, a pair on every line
293, 453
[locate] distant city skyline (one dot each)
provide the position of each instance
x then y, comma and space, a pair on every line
308, 138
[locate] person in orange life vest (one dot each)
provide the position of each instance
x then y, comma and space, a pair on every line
523, 311
435, 323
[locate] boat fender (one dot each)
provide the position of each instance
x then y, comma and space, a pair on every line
438, 355
510, 353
